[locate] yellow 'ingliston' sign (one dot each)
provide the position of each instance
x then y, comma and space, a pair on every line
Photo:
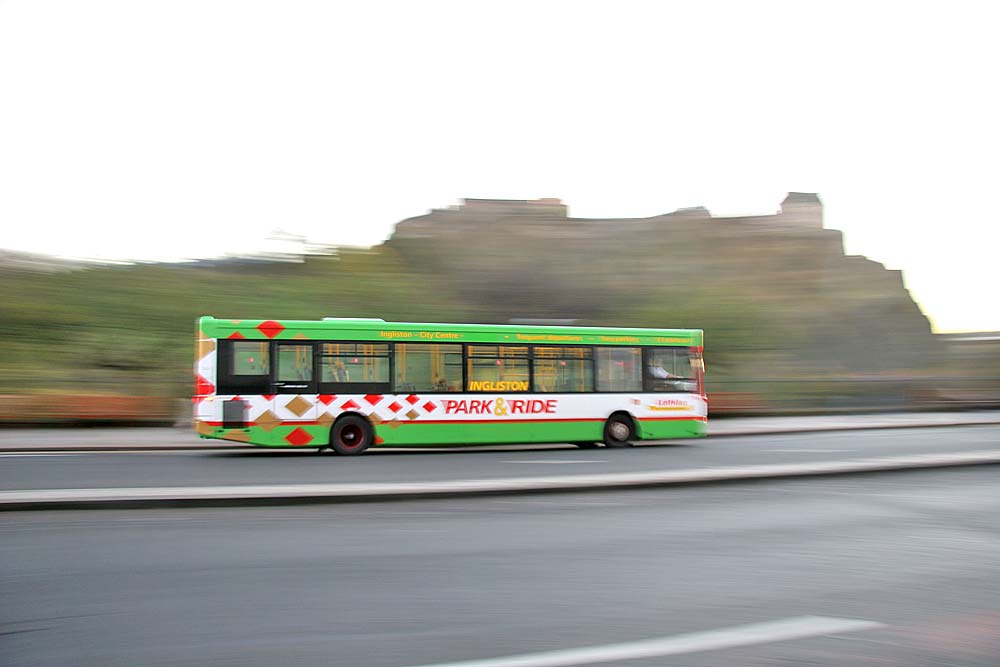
489, 385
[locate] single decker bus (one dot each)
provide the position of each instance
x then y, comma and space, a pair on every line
348, 384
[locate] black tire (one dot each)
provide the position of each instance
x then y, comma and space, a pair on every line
585, 445
351, 435
618, 431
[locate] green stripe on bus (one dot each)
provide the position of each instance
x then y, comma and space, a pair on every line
408, 332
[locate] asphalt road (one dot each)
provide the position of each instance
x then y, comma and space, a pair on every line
24, 471
916, 555
89, 438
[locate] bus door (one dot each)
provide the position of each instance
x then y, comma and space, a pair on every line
294, 382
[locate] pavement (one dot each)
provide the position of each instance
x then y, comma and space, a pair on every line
814, 423
890, 570
965, 444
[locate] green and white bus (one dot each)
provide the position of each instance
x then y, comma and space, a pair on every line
348, 384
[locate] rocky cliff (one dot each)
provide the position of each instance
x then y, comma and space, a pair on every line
778, 289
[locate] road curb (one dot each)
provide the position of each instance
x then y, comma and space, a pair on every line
854, 427
291, 494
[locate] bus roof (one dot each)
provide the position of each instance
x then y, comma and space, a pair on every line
378, 330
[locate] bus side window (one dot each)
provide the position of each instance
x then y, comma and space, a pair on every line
355, 368
563, 369
497, 368
294, 363
619, 369
244, 367
428, 367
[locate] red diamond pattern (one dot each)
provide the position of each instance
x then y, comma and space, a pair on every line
203, 386
395, 407
327, 399
267, 397
429, 407
350, 405
270, 328
299, 437
412, 400
237, 335
373, 398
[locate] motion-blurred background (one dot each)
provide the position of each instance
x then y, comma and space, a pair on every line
792, 323
149, 151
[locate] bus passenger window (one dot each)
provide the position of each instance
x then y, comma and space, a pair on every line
563, 369
353, 368
250, 358
244, 367
619, 369
497, 368
428, 367
294, 363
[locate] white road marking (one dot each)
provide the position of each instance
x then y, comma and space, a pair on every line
563, 461
740, 635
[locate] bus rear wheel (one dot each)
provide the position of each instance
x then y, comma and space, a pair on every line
618, 431
351, 435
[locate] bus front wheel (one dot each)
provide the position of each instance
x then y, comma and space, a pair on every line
351, 435
618, 431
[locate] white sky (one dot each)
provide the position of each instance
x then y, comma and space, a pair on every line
159, 130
